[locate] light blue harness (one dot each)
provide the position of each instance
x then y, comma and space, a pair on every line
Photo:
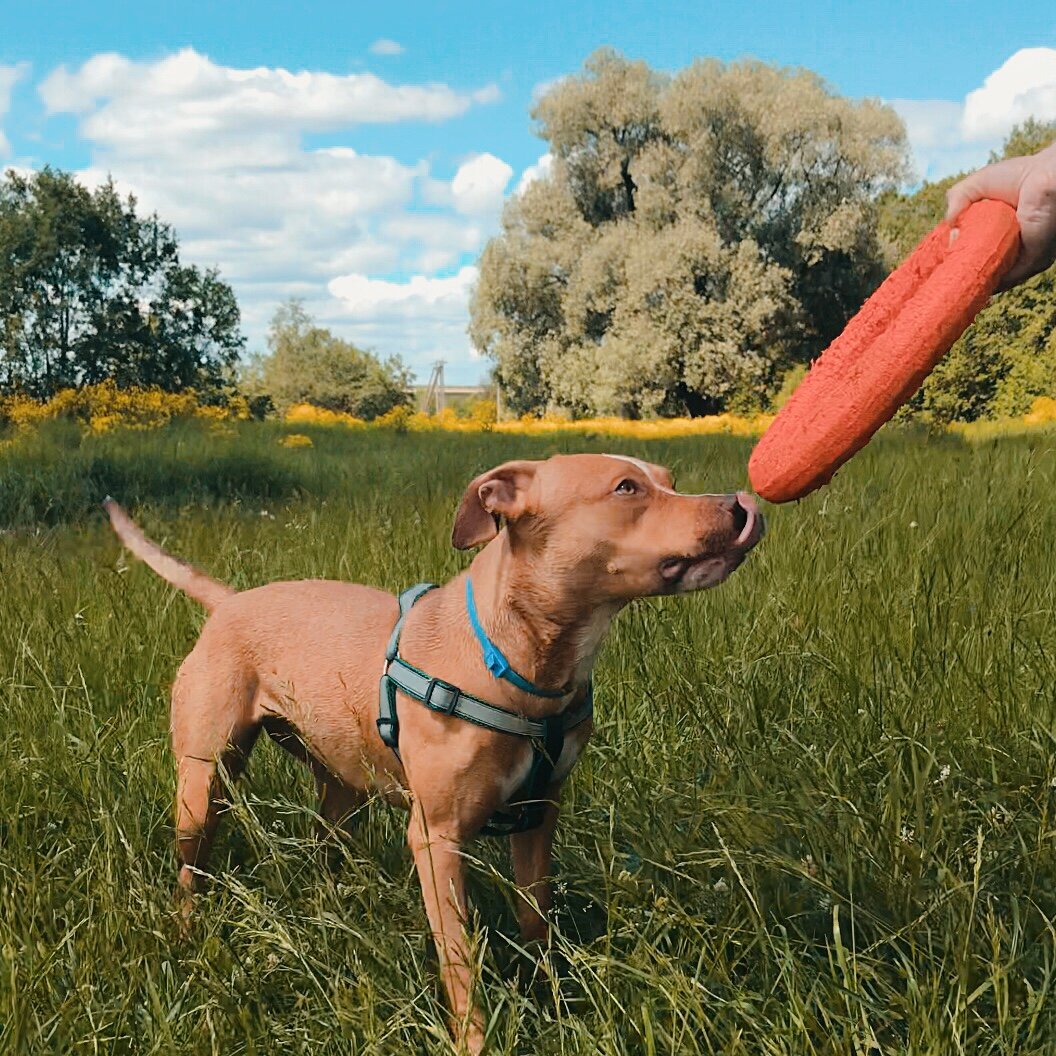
547, 736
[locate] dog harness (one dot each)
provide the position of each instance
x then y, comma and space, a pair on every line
547, 736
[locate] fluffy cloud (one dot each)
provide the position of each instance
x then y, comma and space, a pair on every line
219, 152
479, 185
203, 100
422, 318
384, 46
363, 297
9, 75
539, 171
948, 136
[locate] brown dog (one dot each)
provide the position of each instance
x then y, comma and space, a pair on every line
581, 536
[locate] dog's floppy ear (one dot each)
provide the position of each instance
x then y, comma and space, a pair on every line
501, 492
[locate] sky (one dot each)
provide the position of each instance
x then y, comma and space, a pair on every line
357, 155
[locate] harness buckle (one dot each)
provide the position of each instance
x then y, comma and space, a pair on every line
453, 691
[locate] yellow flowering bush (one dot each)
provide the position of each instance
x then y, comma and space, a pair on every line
104, 406
1042, 411
309, 414
397, 419
650, 429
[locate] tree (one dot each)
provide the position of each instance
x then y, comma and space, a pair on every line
89, 290
1008, 356
697, 235
308, 364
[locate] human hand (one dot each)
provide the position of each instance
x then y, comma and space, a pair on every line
1029, 186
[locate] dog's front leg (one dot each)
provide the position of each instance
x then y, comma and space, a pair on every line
531, 853
438, 859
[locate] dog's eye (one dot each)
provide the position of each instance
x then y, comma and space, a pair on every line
626, 487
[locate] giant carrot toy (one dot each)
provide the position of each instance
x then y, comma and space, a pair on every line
885, 351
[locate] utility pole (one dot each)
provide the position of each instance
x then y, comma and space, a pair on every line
435, 391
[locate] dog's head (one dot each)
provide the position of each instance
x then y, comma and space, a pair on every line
612, 526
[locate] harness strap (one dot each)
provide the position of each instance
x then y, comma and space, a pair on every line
441, 696
547, 735
388, 722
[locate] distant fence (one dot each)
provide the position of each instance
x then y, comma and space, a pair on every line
451, 390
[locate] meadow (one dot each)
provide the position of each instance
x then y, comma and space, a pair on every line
817, 814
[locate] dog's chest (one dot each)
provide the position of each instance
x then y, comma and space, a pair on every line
517, 775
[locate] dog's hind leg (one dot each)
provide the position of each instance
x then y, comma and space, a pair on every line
198, 804
212, 726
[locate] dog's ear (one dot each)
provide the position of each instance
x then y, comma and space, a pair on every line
501, 492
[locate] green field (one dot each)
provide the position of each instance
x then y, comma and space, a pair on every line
817, 815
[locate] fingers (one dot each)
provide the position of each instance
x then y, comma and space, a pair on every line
961, 195
1037, 222
1001, 181
1029, 186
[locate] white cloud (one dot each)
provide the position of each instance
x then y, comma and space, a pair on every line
478, 186
198, 100
219, 153
1025, 86
384, 46
423, 318
366, 298
9, 77
539, 171
948, 136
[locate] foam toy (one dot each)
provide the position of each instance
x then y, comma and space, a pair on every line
886, 351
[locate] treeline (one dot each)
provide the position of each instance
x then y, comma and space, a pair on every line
698, 240
90, 291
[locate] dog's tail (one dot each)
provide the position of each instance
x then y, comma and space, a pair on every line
194, 583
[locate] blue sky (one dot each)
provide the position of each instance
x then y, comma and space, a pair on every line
357, 155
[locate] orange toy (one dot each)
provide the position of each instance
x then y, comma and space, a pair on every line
885, 352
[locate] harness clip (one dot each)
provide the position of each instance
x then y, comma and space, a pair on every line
439, 683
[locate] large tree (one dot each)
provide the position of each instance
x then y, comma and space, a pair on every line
306, 363
695, 236
90, 290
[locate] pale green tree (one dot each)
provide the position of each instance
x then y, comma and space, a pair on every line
306, 363
697, 234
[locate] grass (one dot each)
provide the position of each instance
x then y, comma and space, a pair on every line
817, 815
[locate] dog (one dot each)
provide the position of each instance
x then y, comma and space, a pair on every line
566, 543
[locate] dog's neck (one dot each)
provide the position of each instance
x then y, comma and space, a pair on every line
538, 616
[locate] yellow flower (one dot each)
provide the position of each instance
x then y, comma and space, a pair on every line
309, 414
296, 440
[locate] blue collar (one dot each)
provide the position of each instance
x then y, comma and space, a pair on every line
494, 659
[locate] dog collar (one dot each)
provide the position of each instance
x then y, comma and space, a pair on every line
494, 658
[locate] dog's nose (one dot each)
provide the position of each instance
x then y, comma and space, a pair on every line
745, 515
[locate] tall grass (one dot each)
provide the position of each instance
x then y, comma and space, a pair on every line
817, 815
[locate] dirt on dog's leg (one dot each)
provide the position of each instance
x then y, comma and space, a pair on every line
531, 853
438, 860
